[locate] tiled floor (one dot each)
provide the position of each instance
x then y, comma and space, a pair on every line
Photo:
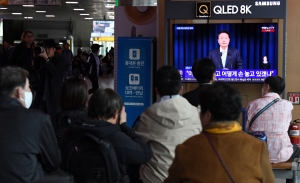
103, 82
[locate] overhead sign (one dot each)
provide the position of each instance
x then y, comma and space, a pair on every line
30, 2
225, 9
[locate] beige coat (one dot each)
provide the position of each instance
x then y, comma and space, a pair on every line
164, 125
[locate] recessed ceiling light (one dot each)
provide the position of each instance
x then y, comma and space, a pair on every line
28, 17
40, 11
85, 14
3, 8
71, 2
110, 5
50, 15
16, 13
28, 5
88, 18
79, 9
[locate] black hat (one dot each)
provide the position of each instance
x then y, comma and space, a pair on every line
95, 47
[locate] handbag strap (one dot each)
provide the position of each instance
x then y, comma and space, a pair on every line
262, 110
219, 157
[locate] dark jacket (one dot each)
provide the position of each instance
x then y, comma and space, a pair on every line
65, 118
130, 148
28, 144
233, 59
192, 96
91, 68
50, 83
23, 57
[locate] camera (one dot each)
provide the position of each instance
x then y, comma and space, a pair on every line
38, 50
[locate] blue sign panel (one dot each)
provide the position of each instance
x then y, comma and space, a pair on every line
249, 75
134, 78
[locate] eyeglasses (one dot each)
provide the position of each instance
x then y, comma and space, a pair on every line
29, 36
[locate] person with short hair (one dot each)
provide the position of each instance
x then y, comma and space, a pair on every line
274, 121
204, 72
51, 68
222, 152
68, 58
108, 120
8, 48
94, 67
225, 57
28, 144
166, 124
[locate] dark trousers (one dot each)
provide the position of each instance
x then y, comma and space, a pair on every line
95, 85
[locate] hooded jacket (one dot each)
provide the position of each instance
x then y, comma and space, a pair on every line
164, 125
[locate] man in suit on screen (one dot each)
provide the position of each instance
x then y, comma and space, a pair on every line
225, 57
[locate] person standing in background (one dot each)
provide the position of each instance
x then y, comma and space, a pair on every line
51, 68
68, 57
7, 50
94, 67
23, 55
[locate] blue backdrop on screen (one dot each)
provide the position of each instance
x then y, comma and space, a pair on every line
253, 40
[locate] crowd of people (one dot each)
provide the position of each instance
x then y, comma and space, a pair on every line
191, 137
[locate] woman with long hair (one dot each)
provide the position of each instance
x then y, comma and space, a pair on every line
23, 55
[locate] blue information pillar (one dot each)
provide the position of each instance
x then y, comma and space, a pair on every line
134, 78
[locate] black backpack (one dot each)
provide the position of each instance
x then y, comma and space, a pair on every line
91, 159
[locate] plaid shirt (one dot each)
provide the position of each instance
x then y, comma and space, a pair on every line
275, 122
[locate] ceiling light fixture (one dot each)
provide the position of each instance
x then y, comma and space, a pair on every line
40, 11
28, 5
3, 8
88, 18
50, 16
78, 9
16, 13
84, 14
28, 17
71, 2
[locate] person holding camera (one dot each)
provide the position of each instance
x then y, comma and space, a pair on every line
51, 68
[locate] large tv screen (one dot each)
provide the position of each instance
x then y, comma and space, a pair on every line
252, 54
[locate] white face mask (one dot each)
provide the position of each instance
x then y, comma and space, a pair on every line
28, 98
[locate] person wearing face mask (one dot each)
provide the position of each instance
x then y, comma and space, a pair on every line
28, 144
274, 121
94, 68
51, 68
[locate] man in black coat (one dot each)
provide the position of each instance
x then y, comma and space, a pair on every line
28, 144
204, 72
94, 67
51, 68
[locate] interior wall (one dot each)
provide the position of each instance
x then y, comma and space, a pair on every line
292, 50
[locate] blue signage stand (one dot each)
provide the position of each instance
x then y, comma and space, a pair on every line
134, 77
